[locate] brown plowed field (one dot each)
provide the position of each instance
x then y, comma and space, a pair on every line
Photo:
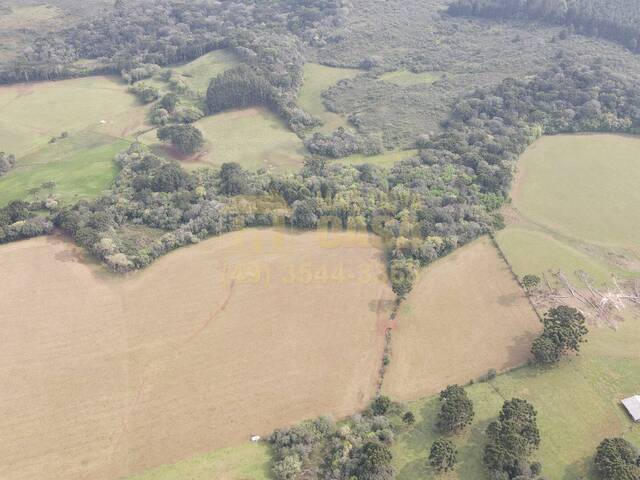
466, 315
104, 376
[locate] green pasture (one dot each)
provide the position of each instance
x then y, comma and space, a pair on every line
31, 114
198, 73
577, 404
386, 159
82, 166
317, 79
405, 78
583, 186
253, 137
245, 462
575, 200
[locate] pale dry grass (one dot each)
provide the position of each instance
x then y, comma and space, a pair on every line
466, 315
104, 376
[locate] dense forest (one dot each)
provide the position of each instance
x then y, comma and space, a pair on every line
134, 38
616, 20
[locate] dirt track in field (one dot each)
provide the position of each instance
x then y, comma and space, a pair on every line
102, 377
466, 315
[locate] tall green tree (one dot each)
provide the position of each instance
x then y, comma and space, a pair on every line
512, 438
456, 409
564, 331
443, 455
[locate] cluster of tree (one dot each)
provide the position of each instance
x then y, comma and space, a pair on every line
187, 139
19, 221
132, 36
617, 459
170, 110
342, 144
145, 93
456, 413
7, 162
615, 20
357, 448
564, 331
512, 439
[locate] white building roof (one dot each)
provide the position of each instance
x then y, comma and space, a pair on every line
632, 404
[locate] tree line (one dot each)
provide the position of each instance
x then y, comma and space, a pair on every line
422, 207
615, 20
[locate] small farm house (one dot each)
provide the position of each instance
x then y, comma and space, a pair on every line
632, 404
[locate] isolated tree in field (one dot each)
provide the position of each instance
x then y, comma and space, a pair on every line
530, 282
512, 438
375, 462
443, 455
456, 409
409, 418
564, 331
186, 138
617, 459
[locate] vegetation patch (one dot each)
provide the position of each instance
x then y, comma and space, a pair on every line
406, 78
465, 316
317, 79
386, 160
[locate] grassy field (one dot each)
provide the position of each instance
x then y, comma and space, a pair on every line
198, 73
317, 79
30, 114
253, 137
81, 166
405, 78
465, 315
573, 208
244, 462
584, 186
577, 404
209, 345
